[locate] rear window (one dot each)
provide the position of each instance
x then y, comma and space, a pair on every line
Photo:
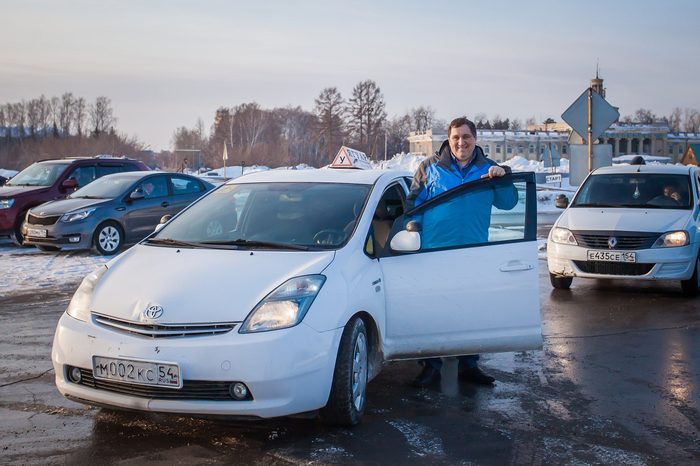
636, 190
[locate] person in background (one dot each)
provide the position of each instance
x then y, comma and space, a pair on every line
458, 161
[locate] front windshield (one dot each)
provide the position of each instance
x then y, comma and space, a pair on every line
38, 174
635, 190
107, 187
271, 215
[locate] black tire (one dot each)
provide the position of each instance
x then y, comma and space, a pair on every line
560, 283
108, 238
691, 287
346, 403
17, 235
47, 248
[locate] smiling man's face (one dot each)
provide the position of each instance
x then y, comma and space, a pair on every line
462, 143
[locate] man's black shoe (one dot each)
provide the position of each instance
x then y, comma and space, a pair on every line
474, 375
428, 376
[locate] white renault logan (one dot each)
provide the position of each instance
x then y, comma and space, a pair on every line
281, 292
630, 221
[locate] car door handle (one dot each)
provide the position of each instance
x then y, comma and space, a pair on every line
515, 266
164, 204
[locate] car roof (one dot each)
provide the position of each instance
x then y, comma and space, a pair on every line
144, 173
661, 169
323, 175
74, 160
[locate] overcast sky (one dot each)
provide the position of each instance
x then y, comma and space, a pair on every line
166, 63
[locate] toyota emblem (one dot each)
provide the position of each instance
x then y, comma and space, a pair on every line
612, 242
153, 312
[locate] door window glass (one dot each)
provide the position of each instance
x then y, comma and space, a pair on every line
84, 175
103, 170
182, 185
154, 187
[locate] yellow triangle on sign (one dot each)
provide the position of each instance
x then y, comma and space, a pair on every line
342, 159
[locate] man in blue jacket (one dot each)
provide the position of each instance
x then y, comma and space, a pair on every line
458, 161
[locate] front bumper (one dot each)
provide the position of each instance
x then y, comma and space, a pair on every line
66, 236
663, 263
287, 371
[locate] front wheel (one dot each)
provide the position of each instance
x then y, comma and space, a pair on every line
346, 403
108, 238
559, 282
691, 287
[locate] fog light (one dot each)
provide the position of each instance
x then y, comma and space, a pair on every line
238, 390
74, 375
74, 239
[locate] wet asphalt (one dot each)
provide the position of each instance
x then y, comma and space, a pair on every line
617, 382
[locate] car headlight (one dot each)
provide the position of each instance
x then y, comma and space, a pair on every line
562, 236
6, 203
80, 304
79, 215
285, 307
672, 239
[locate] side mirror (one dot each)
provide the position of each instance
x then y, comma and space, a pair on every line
407, 240
165, 219
70, 183
561, 201
136, 195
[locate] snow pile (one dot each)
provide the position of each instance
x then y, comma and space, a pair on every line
408, 162
521, 164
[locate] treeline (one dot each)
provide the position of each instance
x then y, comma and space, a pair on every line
687, 119
292, 135
43, 127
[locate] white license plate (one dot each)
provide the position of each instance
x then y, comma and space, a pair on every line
612, 256
137, 372
36, 232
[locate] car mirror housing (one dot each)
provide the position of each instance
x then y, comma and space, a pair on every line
165, 219
405, 241
561, 201
136, 195
70, 183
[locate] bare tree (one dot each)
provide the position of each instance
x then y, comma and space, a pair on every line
249, 124
397, 130
691, 120
298, 144
101, 115
529, 122
79, 115
65, 113
366, 111
329, 109
422, 118
44, 113
55, 105
33, 119
516, 124
644, 116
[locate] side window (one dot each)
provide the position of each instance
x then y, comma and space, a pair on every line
390, 207
84, 175
156, 186
182, 185
478, 214
130, 167
103, 170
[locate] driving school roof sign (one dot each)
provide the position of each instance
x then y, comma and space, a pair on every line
350, 158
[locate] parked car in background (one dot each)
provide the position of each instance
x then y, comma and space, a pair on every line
114, 210
53, 179
636, 222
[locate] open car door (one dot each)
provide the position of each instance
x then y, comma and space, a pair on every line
472, 286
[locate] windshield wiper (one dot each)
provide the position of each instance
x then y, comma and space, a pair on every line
261, 244
173, 242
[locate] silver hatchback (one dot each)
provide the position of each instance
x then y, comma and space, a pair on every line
111, 211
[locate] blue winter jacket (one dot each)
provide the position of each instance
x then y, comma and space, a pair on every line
464, 219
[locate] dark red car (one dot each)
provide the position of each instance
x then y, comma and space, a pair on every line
53, 179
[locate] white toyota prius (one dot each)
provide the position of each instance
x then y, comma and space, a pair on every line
638, 222
283, 292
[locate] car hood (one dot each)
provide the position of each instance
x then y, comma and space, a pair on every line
62, 206
610, 219
198, 285
13, 191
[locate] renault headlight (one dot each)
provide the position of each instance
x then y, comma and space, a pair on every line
7, 203
78, 215
286, 306
81, 303
563, 236
672, 239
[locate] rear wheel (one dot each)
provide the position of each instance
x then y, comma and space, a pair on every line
691, 287
346, 403
108, 238
559, 282
17, 235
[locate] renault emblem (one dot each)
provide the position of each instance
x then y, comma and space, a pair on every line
612, 242
153, 312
